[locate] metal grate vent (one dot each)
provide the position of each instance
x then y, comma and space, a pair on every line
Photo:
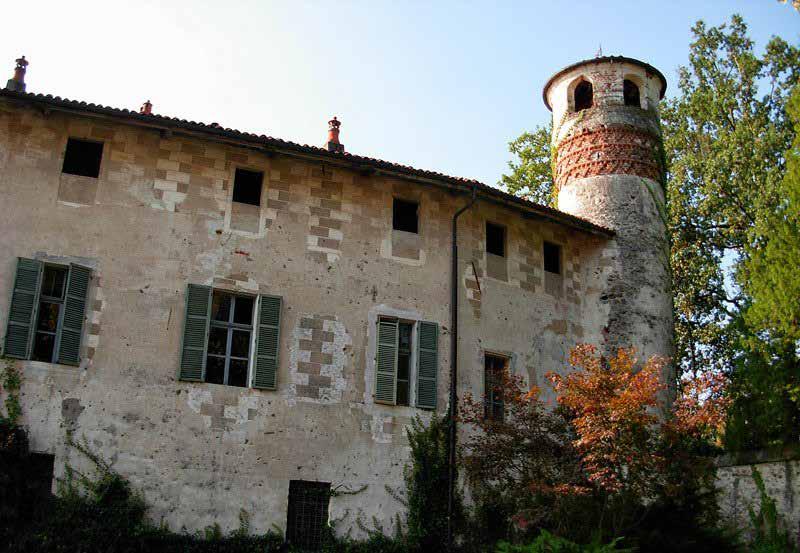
308, 513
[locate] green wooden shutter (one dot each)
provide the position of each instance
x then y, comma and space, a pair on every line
427, 364
386, 361
24, 306
195, 333
69, 341
265, 368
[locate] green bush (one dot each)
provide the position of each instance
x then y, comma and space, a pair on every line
548, 543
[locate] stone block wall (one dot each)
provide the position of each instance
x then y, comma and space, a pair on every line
780, 471
160, 216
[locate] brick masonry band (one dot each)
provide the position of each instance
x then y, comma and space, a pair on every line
607, 151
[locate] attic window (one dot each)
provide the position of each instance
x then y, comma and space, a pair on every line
405, 216
82, 158
552, 258
495, 239
583, 96
631, 93
247, 186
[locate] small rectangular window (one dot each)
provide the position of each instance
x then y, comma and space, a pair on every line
552, 258
307, 515
229, 338
405, 216
82, 158
495, 239
247, 186
495, 367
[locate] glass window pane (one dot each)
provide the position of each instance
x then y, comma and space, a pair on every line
215, 369
220, 306
218, 340
43, 345
237, 373
243, 313
48, 316
402, 366
402, 392
404, 342
53, 281
240, 343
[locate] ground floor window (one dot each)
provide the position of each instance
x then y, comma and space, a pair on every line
495, 367
308, 513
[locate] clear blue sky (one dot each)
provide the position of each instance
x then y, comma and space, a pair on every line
436, 85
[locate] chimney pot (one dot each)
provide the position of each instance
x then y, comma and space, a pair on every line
17, 82
333, 144
147, 108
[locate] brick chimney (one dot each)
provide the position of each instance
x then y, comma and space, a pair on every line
333, 144
17, 82
147, 108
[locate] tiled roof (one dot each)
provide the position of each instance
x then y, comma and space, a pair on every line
214, 131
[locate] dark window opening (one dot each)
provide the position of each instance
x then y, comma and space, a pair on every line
403, 363
495, 367
247, 186
48, 320
405, 216
631, 93
552, 258
307, 515
229, 337
495, 239
82, 158
583, 96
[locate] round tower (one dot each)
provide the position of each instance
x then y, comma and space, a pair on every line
609, 169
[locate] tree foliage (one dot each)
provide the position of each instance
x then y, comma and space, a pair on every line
769, 275
725, 135
427, 483
523, 469
605, 458
733, 204
531, 171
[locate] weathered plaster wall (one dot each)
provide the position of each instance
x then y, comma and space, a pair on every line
738, 492
160, 217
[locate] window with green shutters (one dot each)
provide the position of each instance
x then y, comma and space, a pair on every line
394, 369
231, 339
48, 306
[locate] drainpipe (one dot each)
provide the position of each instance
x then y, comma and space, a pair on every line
451, 480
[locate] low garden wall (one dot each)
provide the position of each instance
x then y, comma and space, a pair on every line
780, 470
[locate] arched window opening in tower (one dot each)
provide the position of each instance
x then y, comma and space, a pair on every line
630, 91
583, 96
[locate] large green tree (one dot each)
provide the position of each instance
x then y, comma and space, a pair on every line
726, 134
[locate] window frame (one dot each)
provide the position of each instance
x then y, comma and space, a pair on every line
560, 252
638, 103
412, 359
260, 186
504, 231
87, 141
395, 201
49, 299
230, 326
582, 82
298, 510
490, 404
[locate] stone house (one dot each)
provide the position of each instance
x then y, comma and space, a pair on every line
236, 321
